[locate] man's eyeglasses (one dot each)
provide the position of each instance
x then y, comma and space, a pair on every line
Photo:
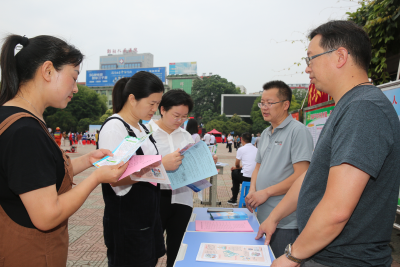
308, 59
269, 104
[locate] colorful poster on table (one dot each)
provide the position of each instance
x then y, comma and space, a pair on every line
316, 119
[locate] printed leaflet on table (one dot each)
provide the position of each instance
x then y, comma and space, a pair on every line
125, 150
229, 216
197, 164
223, 226
234, 254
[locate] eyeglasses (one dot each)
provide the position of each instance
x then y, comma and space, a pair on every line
176, 118
269, 104
308, 59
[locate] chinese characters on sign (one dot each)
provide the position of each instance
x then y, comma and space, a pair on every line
125, 50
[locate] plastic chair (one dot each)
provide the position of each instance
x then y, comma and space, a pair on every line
243, 193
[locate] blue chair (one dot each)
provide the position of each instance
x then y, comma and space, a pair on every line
243, 193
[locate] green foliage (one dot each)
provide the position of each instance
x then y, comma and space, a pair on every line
62, 119
259, 124
235, 124
381, 20
209, 116
108, 113
206, 94
86, 105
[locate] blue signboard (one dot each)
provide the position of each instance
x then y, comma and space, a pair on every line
110, 77
394, 97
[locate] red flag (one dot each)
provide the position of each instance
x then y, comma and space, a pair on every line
315, 96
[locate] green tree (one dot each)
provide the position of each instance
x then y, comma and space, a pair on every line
85, 104
62, 119
108, 113
259, 124
206, 94
380, 19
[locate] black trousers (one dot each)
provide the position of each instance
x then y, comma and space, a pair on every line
230, 147
174, 218
237, 179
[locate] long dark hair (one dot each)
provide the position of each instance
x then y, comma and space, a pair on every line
142, 84
192, 126
20, 68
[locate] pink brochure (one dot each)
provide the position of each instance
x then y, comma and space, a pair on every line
223, 226
138, 162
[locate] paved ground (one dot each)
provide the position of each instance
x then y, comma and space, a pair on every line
86, 228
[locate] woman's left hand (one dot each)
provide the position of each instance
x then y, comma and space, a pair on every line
98, 154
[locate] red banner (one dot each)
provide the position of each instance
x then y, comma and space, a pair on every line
315, 96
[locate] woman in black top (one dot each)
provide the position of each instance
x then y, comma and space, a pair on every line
32, 167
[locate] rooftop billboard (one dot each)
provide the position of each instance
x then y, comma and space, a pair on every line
110, 77
183, 68
237, 104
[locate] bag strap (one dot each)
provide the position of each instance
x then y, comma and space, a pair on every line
13, 118
130, 132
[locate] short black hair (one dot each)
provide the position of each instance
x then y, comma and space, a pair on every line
284, 91
176, 97
246, 137
192, 127
347, 34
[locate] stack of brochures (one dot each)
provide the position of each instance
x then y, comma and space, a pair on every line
229, 216
126, 149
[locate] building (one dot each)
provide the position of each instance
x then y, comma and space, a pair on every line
298, 85
181, 76
243, 89
129, 59
182, 81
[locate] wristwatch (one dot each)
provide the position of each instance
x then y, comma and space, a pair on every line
288, 254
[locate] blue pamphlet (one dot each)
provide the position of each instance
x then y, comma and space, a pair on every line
197, 165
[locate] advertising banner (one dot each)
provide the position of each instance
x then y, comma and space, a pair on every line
183, 68
316, 119
110, 77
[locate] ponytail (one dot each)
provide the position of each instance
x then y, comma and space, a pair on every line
8, 64
20, 68
118, 99
142, 84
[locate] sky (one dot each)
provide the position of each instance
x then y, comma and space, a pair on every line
247, 42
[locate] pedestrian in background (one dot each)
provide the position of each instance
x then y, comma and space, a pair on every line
193, 129
58, 136
229, 142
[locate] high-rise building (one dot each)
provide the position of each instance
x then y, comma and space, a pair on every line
129, 59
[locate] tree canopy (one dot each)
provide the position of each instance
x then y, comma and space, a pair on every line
380, 19
234, 124
85, 108
206, 94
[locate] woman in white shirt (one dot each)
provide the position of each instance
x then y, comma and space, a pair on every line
132, 225
193, 128
176, 205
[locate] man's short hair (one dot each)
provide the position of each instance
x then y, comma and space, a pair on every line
347, 34
284, 93
246, 137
